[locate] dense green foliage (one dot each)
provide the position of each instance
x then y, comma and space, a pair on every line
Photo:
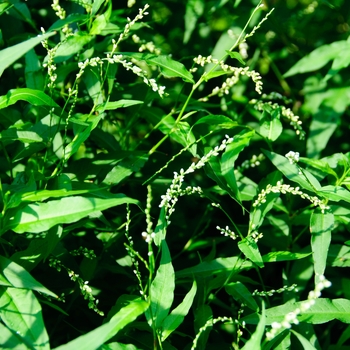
174, 176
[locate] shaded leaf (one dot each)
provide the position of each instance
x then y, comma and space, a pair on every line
207, 268
176, 317
18, 277
241, 293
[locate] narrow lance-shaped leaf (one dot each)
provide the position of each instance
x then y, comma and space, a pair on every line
169, 67
34, 97
94, 339
162, 290
291, 171
322, 311
254, 341
18, 277
250, 249
13, 53
321, 226
229, 157
39, 217
241, 293
207, 268
176, 317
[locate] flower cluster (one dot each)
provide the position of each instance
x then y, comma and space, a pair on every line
210, 323
83, 285
174, 191
285, 112
60, 12
89, 254
271, 292
93, 62
292, 317
256, 236
122, 36
138, 71
230, 81
251, 163
148, 237
282, 188
50, 65
293, 157
227, 232
146, 46
131, 3
242, 46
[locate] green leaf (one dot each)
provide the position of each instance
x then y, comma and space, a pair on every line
21, 313
218, 120
72, 18
318, 58
321, 226
335, 193
250, 249
13, 53
23, 136
270, 125
162, 290
254, 341
304, 342
179, 132
324, 310
72, 45
291, 171
338, 255
241, 293
194, 10
172, 321
38, 249
18, 277
9, 339
125, 168
34, 97
283, 256
33, 71
94, 339
117, 104
323, 125
208, 268
91, 78
39, 217
258, 214
237, 56
229, 157
81, 136
169, 67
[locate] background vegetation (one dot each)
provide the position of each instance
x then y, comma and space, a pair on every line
174, 177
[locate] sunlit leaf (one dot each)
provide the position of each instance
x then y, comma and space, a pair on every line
13, 53
162, 290
97, 337
39, 217
21, 313
18, 277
